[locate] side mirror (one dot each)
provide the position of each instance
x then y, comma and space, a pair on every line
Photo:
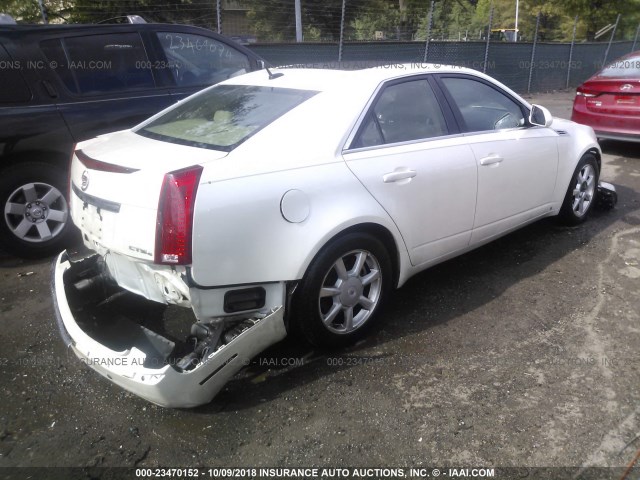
540, 116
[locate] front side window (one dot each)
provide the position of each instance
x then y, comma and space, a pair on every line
100, 64
197, 60
483, 107
224, 116
403, 112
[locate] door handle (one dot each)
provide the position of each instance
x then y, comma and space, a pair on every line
491, 160
49, 88
398, 175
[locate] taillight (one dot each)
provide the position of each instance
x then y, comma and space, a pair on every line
582, 92
175, 216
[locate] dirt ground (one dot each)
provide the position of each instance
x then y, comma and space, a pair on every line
523, 353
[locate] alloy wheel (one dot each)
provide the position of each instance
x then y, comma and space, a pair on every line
36, 212
350, 291
584, 190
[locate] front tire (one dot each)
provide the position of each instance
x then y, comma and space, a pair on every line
35, 214
581, 194
343, 291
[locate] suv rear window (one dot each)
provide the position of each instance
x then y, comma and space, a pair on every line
13, 88
223, 117
98, 64
198, 60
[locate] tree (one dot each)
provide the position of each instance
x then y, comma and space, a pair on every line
29, 11
275, 19
380, 16
595, 14
193, 12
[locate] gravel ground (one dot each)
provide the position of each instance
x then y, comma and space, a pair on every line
522, 353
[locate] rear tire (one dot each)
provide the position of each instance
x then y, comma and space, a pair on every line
34, 221
343, 291
582, 190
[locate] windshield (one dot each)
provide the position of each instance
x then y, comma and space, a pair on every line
225, 116
624, 67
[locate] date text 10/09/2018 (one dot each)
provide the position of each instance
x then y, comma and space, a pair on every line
313, 472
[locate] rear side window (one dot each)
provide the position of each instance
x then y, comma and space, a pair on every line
224, 116
197, 60
403, 112
13, 88
101, 64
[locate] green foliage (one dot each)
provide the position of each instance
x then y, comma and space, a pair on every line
382, 17
451, 19
596, 14
193, 12
274, 20
28, 11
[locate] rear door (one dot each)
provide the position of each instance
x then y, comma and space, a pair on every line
29, 119
408, 155
109, 80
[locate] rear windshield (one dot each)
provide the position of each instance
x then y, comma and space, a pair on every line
225, 116
624, 67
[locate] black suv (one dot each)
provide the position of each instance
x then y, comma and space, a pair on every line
66, 83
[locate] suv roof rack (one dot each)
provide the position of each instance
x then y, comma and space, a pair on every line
6, 19
125, 19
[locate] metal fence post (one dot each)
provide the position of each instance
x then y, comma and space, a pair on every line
533, 53
573, 42
344, 4
635, 40
298, 14
43, 12
486, 48
429, 26
219, 16
613, 32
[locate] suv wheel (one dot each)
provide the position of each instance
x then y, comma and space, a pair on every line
35, 214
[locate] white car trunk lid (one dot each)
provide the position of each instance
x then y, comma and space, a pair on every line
116, 181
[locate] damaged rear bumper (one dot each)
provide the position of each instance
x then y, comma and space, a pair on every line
160, 381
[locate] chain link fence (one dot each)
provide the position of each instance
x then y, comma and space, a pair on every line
553, 66
546, 55
530, 51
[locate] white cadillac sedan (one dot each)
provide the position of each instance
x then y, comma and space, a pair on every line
297, 200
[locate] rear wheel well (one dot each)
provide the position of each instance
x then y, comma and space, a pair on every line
382, 234
343, 290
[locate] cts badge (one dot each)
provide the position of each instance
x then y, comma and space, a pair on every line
84, 180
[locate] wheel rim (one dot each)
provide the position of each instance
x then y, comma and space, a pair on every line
350, 292
583, 190
36, 212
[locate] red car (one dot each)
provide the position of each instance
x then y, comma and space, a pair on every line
609, 101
